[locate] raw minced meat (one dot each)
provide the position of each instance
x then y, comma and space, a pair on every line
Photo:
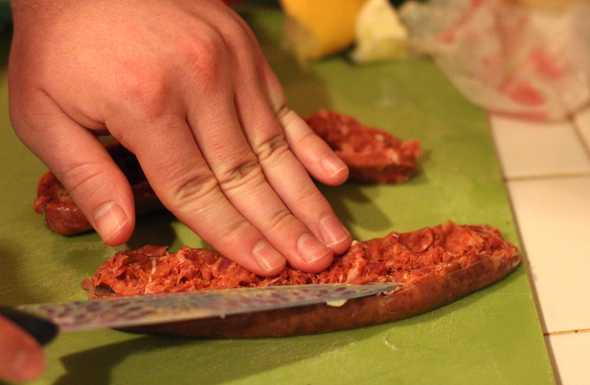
401, 258
372, 155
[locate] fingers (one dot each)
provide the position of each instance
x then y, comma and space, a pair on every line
21, 358
266, 137
275, 148
219, 135
314, 153
80, 162
311, 150
303, 195
260, 94
183, 181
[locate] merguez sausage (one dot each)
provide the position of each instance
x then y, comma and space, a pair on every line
434, 266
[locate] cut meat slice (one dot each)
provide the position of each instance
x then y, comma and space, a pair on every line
373, 155
64, 217
434, 267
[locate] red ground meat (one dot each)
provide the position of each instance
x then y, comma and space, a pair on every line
402, 258
373, 155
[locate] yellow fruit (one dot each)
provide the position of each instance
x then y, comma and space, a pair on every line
315, 28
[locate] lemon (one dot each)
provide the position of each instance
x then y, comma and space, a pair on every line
316, 28
380, 34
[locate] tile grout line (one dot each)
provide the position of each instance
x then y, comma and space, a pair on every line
527, 264
579, 136
518, 230
547, 335
535, 294
526, 178
566, 332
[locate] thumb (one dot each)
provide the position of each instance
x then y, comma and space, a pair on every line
98, 187
21, 358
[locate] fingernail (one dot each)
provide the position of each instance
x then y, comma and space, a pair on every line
333, 231
333, 165
109, 218
310, 249
267, 257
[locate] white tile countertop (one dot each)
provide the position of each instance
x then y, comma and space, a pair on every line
547, 169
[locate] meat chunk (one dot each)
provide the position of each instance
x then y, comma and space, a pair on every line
63, 216
373, 155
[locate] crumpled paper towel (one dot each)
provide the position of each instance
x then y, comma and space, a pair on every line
507, 57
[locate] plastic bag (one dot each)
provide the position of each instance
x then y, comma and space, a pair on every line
506, 57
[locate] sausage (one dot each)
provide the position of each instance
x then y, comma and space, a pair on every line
433, 267
64, 217
372, 155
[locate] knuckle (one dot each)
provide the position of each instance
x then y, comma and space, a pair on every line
237, 34
280, 219
193, 190
272, 150
146, 90
284, 113
307, 140
205, 56
307, 195
235, 230
244, 38
244, 174
84, 178
208, 41
276, 93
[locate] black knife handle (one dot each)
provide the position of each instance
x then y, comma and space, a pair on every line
41, 329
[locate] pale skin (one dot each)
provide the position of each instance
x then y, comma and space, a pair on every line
184, 85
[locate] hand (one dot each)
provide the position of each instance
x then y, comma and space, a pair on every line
182, 84
21, 358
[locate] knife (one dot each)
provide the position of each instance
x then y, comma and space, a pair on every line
44, 321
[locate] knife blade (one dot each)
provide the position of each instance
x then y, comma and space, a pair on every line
161, 308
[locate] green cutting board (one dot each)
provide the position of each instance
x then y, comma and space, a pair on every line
491, 337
